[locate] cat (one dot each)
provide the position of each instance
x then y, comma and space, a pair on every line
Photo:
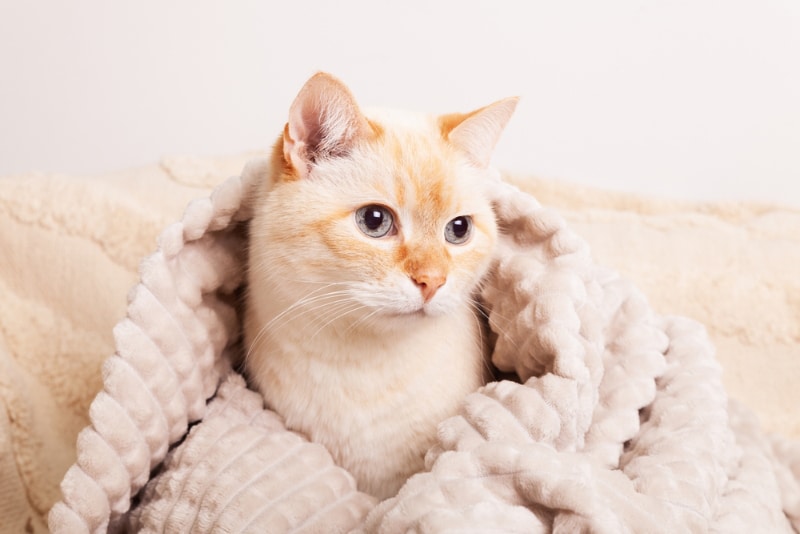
369, 239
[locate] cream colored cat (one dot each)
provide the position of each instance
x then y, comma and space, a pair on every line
368, 242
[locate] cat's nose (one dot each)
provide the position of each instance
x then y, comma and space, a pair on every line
428, 283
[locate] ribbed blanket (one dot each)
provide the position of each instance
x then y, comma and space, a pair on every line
619, 421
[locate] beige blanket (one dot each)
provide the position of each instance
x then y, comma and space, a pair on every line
70, 247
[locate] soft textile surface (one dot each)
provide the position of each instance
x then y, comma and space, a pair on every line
70, 247
69, 252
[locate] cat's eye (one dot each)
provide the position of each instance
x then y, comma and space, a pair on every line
374, 220
458, 230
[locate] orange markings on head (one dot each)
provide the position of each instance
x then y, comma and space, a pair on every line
282, 169
377, 130
449, 121
424, 178
432, 192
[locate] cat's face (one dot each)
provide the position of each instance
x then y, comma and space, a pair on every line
389, 221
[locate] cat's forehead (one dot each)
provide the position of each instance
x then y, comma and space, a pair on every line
398, 120
421, 171
412, 142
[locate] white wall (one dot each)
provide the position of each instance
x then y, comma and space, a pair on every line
694, 99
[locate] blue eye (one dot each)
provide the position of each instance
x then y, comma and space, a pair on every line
458, 230
374, 220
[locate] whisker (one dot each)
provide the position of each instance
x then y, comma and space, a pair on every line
354, 306
305, 302
362, 320
301, 305
494, 324
488, 372
330, 314
269, 330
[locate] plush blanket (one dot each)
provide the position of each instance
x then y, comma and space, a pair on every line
621, 422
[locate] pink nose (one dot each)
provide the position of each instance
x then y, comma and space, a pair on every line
428, 283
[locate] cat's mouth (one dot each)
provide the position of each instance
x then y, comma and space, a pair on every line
420, 312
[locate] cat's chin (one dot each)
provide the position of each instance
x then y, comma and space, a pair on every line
398, 321
414, 314
442, 305
418, 313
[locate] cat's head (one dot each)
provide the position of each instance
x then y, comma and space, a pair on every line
376, 215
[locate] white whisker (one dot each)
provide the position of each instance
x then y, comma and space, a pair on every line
491, 319
309, 304
362, 321
353, 307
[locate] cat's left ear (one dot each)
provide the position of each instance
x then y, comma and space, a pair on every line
324, 121
477, 133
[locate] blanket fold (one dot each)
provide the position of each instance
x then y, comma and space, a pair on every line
619, 423
241, 470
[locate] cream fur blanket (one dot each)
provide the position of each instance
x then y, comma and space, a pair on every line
568, 449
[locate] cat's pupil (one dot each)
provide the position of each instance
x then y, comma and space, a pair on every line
373, 218
460, 227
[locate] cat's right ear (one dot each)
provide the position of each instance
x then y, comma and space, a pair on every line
324, 122
477, 133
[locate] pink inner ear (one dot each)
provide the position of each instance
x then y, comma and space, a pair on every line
324, 121
310, 127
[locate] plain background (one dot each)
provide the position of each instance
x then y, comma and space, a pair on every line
693, 99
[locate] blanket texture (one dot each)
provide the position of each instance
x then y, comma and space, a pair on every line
622, 422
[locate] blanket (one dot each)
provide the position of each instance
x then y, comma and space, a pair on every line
581, 441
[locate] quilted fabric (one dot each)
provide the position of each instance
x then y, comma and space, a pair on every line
620, 422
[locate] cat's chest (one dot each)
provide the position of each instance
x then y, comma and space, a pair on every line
360, 381
363, 373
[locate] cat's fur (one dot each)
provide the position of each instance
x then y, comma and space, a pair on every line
365, 344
